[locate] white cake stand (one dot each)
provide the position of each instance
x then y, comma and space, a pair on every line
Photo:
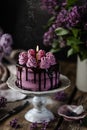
39, 113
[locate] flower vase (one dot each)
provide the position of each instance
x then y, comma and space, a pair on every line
81, 75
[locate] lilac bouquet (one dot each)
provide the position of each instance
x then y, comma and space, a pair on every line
67, 26
5, 44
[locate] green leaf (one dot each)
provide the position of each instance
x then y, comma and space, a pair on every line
73, 50
50, 21
54, 50
56, 7
83, 53
75, 32
70, 52
71, 2
55, 43
73, 41
61, 31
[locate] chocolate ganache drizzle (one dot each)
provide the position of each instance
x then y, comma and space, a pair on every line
39, 72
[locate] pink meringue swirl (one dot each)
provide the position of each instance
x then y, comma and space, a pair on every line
31, 62
51, 58
44, 64
41, 53
23, 58
31, 52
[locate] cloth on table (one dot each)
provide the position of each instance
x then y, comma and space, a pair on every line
5, 91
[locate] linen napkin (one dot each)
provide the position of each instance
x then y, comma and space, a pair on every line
5, 91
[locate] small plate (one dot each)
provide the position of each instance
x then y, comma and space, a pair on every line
62, 111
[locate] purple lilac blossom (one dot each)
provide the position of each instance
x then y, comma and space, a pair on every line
14, 123
73, 17
61, 96
49, 36
45, 123
61, 18
6, 42
49, 5
33, 125
64, 19
67, 18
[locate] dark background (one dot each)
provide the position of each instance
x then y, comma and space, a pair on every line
25, 21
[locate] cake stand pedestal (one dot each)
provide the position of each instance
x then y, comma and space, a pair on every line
39, 113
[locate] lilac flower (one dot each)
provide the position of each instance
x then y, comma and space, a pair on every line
49, 36
61, 18
44, 123
6, 39
61, 96
73, 17
49, 5
52, 5
33, 125
6, 42
14, 123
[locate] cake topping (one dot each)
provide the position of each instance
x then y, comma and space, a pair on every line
31, 52
31, 62
23, 58
41, 53
44, 64
37, 59
51, 59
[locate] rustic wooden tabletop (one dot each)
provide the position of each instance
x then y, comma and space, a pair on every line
74, 97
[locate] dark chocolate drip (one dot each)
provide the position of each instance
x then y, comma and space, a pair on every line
39, 81
50, 75
34, 77
44, 79
26, 74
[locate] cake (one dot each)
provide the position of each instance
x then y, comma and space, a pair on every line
37, 71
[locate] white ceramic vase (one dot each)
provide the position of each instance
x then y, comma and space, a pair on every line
81, 75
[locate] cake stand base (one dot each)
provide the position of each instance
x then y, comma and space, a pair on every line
39, 113
35, 116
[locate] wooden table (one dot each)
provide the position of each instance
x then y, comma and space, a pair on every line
74, 97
